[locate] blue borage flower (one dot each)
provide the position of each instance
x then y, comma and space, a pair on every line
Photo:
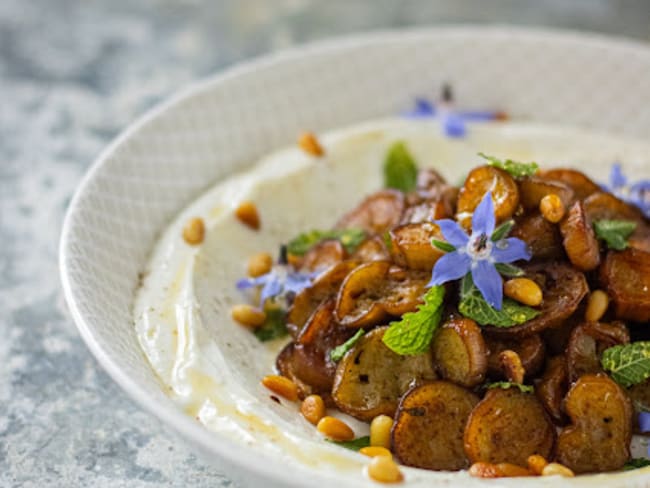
279, 281
637, 194
644, 425
452, 121
477, 254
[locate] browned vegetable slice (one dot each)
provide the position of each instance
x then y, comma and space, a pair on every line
580, 240
599, 437
552, 388
287, 366
459, 352
378, 213
605, 206
411, 245
626, 277
543, 238
370, 379
323, 255
535, 188
326, 286
580, 183
425, 212
587, 342
529, 349
372, 249
511, 365
377, 290
563, 289
508, 426
480, 180
429, 426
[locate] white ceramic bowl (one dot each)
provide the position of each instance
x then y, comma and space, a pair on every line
218, 126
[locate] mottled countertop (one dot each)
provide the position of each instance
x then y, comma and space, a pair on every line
72, 75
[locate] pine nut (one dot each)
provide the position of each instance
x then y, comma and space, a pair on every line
512, 366
373, 451
596, 306
281, 386
384, 470
552, 208
500, 470
247, 215
523, 290
194, 231
335, 429
536, 463
259, 264
313, 408
380, 431
248, 315
557, 469
310, 144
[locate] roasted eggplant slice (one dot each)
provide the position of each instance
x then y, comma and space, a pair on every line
581, 185
377, 214
411, 245
552, 388
626, 277
580, 241
372, 249
543, 238
323, 255
529, 349
535, 188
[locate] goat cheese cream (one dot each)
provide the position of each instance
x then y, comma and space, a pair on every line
212, 366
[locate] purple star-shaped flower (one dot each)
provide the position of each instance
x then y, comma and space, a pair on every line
477, 254
279, 281
637, 194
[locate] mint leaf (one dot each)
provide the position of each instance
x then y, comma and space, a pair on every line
615, 233
472, 305
350, 238
338, 352
502, 231
628, 364
400, 170
515, 168
509, 270
354, 444
388, 241
274, 327
414, 332
504, 385
442, 245
636, 463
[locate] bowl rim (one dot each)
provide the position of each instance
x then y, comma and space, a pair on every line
175, 419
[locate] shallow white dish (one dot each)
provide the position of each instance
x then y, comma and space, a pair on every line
220, 126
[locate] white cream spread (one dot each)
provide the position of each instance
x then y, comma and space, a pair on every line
210, 365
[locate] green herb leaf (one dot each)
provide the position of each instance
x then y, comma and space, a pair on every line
502, 231
442, 245
515, 168
628, 364
509, 270
388, 242
338, 352
615, 233
350, 238
400, 170
355, 444
636, 463
274, 327
504, 385
473, 305
413, 333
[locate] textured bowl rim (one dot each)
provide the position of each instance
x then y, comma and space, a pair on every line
175, 418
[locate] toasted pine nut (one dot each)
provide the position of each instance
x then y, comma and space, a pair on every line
281, 386
194, 231
553, 469
248, 315
380, 431
523, 290
335, 429
373, 451
313, 408
247, 214
259, 264
511, 366
552, 208
596, 306
384, 470
500, 470
310, 144
536, 463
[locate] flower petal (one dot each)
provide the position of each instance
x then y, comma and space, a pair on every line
489, 282
483, 220
271, 288
246, 283
616, 177
423, 109
478, 115
452, 232
296, 282
452, 266
644, 422
453, 125
510, 250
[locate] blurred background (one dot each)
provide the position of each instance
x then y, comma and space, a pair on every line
72, 75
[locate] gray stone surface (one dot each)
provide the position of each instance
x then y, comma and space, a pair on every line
72, 74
